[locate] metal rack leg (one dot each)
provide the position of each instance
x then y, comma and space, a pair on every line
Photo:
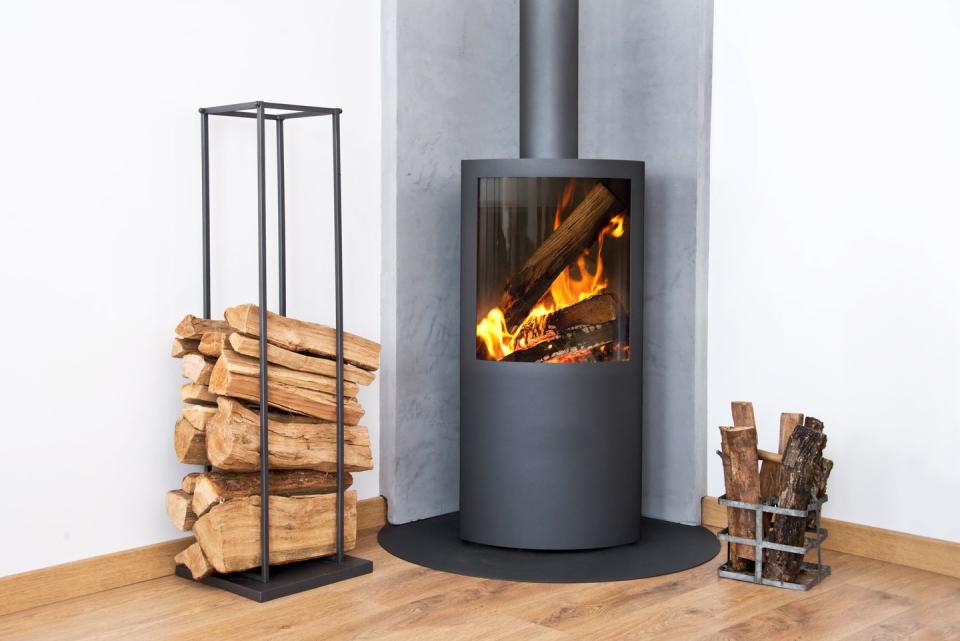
281, 221
205, 195
338, 271
262, 255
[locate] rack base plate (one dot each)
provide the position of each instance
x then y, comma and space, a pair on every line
285, 579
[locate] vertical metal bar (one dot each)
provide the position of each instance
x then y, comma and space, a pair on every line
758, 550
262, 256
205, 215
338, 275
205, 196
281, 220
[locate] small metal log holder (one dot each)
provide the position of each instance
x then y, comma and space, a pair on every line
272, 582
810, 574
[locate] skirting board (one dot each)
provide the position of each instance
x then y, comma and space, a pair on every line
921, 552
115, 570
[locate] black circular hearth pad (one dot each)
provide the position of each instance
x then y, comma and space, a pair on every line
663, 548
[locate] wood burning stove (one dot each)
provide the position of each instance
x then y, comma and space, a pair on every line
551, 321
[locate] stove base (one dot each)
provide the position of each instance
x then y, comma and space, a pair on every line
663, 548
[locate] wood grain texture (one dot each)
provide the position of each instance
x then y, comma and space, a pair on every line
233, 442
301, 336
249, 366
280, 395
301, 362
742, 480
890, 546
864, 600
38, 588
213, 488
194, 328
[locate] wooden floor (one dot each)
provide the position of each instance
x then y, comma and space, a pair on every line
865, 600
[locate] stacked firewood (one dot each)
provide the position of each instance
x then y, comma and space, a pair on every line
219, 426
790, 477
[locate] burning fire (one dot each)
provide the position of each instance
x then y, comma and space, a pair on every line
574, 284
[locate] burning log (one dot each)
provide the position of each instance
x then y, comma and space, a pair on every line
739, 456
578, 232
801, 463
300, 527
214, 488
300, 362
581, 327
293, 399
233, 442
301, 336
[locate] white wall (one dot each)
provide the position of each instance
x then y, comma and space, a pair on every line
834, 270
100, 223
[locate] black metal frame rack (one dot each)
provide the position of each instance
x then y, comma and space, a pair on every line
281, 580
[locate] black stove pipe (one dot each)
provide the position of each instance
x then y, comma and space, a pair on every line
549, 43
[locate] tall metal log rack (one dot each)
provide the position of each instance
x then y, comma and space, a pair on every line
272, 582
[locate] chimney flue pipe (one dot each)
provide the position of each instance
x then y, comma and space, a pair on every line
549, 43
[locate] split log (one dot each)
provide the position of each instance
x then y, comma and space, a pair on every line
301, 336
788, 421
214, 488
189, 443
293, 399
193, 327
248, 366
196, 368
300, 362
801, 460
184, 346
296, 443
189, 481
819, 489
301, 527
576, 233
739, 456
212, 343
769, 479
194, 560
198, 415
179, 510
194, 393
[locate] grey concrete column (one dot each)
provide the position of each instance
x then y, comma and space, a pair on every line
450, 91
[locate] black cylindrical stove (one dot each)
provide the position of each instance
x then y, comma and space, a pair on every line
550, 352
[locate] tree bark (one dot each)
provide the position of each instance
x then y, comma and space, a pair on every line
213, 488
742, 479
801, 460
248, 366
788, 421
233, 442
577, 232
180, 510
293, 399
301, 336
193, 327
301, 527
300, 362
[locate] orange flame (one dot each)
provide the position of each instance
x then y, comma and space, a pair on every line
574, 284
